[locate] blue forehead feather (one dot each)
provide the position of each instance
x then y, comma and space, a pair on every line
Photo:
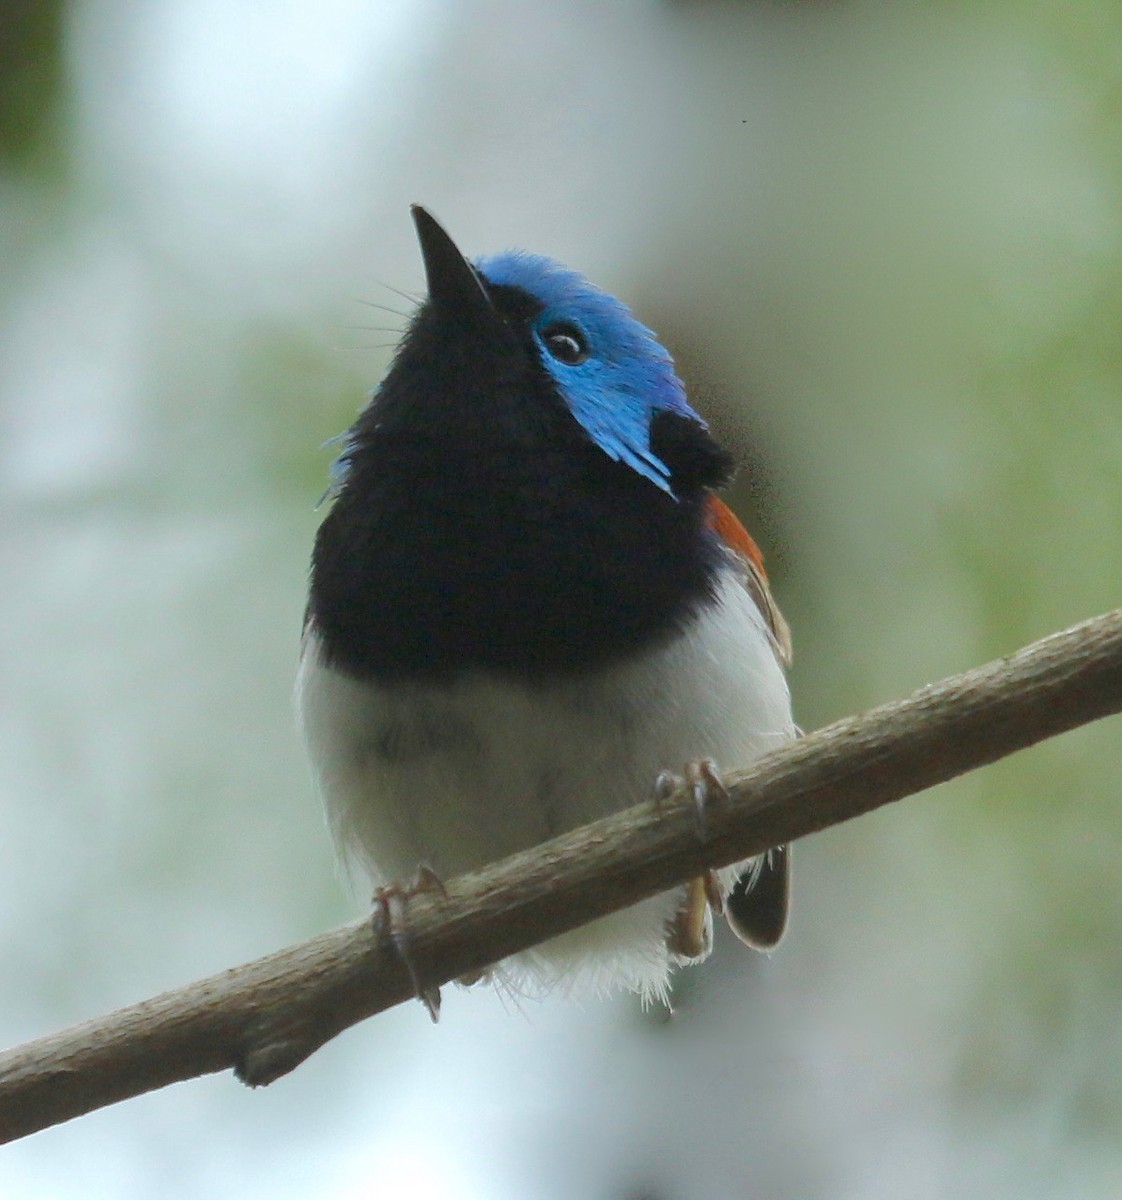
628, 376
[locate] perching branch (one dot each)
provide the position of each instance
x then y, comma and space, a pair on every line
265, 1017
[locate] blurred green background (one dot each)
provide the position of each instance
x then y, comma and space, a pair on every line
884, 242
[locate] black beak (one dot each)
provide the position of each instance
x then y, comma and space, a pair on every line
454, 287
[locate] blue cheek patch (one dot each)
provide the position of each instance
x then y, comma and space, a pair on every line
628, 377
615, 409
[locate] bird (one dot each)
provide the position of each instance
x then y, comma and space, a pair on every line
529, 608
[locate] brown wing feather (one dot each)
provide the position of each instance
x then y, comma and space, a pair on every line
728, 527
756, 909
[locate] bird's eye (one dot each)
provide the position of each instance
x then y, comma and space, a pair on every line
565, 343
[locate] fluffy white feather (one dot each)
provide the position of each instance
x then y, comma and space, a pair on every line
458, 776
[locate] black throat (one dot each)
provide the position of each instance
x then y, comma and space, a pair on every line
477, 526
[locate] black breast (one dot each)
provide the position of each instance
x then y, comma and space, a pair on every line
478, 527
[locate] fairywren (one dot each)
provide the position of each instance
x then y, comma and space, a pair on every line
527, 603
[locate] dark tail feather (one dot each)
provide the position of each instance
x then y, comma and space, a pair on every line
757, 907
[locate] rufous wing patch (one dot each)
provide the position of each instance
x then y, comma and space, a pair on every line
728, 527
725, 523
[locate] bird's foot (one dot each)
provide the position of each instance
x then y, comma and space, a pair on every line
391, 915
689, 932
705, 785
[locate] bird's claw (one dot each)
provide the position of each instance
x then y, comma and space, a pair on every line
689, 933
391, 915
705, 785
665, 786
707, 789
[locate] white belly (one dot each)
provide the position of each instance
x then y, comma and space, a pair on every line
460, 775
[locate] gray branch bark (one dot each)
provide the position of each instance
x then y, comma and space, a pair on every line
265, 1017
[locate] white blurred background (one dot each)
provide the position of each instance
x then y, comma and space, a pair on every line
885, 244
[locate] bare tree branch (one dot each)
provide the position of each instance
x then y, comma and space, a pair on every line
265, 1017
